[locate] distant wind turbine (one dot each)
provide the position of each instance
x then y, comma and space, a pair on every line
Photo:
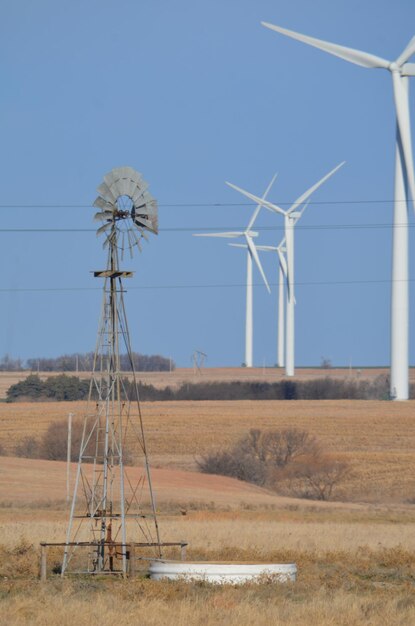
248, 234
291, 217
282, 280
404, 179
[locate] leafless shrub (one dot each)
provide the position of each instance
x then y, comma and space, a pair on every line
54, 442
28, 448
53, 445
290, 459
281, 447
317, 477
244, 468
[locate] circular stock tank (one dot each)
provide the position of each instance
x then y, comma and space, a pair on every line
223, 573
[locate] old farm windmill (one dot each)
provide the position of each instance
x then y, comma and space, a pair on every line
113, 508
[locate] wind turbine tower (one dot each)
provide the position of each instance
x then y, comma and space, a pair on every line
404, 194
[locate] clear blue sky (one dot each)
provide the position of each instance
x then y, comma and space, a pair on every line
191, 94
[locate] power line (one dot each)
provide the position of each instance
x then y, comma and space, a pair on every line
202, 286
214, 229
197, 204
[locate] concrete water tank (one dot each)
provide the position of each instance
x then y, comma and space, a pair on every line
222, 573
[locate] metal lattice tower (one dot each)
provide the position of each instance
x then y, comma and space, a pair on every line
113, 505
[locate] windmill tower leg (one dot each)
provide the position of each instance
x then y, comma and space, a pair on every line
249, 313
399, 384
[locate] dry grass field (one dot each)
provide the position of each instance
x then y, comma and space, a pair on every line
355, 557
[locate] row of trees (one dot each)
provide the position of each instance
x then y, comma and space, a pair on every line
58, 388
84, 362
65, 387
288, 461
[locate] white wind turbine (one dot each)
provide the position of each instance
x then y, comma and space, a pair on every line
404, 179
291, 217
282, 280
252, 254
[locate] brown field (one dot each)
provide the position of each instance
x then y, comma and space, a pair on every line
220, 374
355, 557
377, 438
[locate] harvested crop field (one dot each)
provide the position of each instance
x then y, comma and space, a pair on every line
377, 438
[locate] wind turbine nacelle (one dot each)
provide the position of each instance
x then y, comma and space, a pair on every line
295, 214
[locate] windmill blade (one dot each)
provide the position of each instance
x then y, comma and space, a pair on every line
100, 203
146, 207
408, 69
258, 208
106, 193
239, 245
257, 200
403, 121
226, 235
407, 53
137, 239
348, 54
141, 188
103, 215
255, 256
140, 220
104, 228
127, 180
128, 172
126, 187
111, 237
122, 245
308, 193
130, 242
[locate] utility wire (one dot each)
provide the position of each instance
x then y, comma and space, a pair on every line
214, 229
197, 204
329, 283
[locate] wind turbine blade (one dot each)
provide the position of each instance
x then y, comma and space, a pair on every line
228, 235
402, 117
266, 248
257, 210
260, 201
238, 245
407, 53
408, 69
302, 210
348, 54
283, 264
281, 244
284, 268
308, 193
255, 256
